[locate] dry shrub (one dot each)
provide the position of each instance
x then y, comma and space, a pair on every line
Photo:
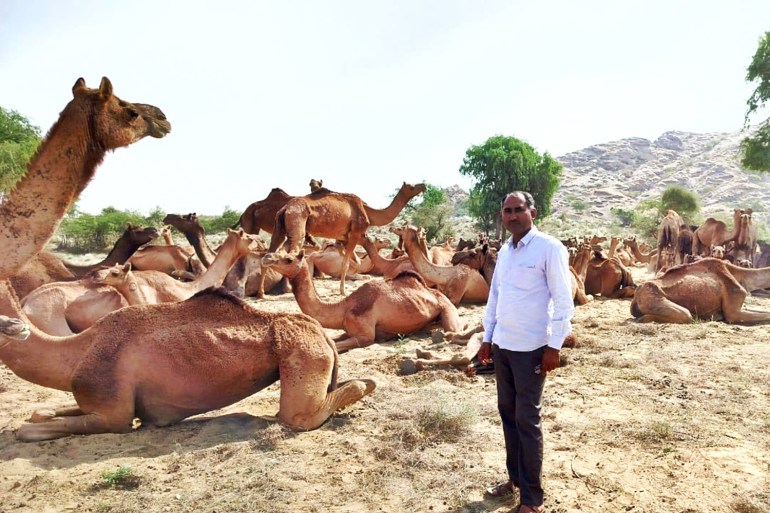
270, 438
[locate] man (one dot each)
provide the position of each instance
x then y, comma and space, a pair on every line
527, 319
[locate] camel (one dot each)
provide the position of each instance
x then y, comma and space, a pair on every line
164, 363
623, 256
315, 184
636, 251
63, 308
92, 123
377, 310
13, 328
165, 234
579, 270
608, 277
170, 260
388, 268
329, 260
344, 217
746, 240
668, 237
483, 259
708, 289
195, 234
714, 233
459, 283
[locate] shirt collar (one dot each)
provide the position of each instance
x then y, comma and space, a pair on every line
526, 239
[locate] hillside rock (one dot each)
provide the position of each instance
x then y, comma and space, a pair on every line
622, 173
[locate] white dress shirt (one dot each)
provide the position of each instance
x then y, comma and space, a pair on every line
530, 298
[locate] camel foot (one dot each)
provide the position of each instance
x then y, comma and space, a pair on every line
42, 416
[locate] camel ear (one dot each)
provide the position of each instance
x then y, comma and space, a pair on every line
80, 84
126, 267
301, 255
129, 226
105, 89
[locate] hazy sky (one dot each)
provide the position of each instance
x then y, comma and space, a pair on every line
366, 95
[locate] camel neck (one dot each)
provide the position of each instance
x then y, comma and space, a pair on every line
198, 241
329, 314
381, 217
750, 279
62, 167
215, 274
41, 359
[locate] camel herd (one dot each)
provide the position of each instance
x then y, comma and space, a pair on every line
158, 332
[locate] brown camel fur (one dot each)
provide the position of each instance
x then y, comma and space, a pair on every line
165, 233
94, 122
378, 310
459, 283
382, 217
708, 289
45, 267
63, 308
164, 363
714, 233
746, 240
260, 215
608, 277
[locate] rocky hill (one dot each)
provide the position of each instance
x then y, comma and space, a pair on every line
623, 173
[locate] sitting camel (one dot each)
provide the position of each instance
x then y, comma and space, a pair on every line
482, 258
167, 259
93, 123
63, 308
637, 252
164, 363
377, 310
388, 268
459, 283
707, 289
608, 277
45, 267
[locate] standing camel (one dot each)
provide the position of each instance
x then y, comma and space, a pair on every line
164, 363
341, 216
714, 233
92, 123
668, 237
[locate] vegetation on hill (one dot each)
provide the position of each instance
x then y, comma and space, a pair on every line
756, 149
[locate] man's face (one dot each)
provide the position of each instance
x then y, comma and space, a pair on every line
517, 216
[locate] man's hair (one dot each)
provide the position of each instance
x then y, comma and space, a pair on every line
528, 199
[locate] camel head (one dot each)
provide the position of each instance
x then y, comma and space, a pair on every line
410, 191
113, 276
287, 264
315, 184
381, 243
13, 329
473, 257
718, 252
184, 223
140, 236
116, 123
407, 232
744, 262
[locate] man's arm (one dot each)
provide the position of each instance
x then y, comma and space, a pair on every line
490, 318
559, 281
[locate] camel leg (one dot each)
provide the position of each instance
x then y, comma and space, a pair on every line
668, 312
364, 334
350, 249
306, 373
462, 338
458, 361
732, 308
58, 427
450, 318
46, 415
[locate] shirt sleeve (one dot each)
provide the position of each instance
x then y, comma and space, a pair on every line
490, 314
559, 280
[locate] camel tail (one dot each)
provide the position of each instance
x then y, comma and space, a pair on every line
237, 223
666, 238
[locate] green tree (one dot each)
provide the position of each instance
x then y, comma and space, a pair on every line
505, 164
756, 149
432, 213
18, 141
87, 232
683, 201
217, 224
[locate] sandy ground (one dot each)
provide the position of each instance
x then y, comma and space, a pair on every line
641, 418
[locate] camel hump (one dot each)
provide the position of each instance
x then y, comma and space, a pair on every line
410, 274
223, 293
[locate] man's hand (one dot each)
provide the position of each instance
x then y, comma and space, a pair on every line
550, 360
485, 353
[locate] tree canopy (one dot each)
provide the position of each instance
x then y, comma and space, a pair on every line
432, 213
756, 149
683, 201
505, 164
18, 141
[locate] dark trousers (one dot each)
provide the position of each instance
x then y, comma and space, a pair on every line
519, 399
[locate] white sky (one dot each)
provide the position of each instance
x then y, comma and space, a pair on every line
366, 95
